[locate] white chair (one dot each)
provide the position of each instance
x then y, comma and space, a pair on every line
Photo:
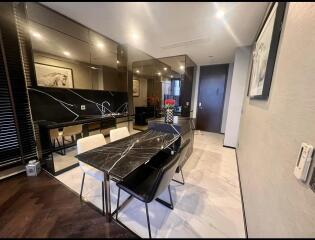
70, 131
86, 144
118, 133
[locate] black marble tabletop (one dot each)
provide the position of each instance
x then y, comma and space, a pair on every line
181, 125
122, 157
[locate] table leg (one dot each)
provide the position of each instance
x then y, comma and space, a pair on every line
107, 196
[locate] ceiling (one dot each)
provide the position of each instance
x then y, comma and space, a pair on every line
173, 28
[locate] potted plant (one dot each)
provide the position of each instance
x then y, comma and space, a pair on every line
169, 110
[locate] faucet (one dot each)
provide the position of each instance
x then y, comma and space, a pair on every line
104, 108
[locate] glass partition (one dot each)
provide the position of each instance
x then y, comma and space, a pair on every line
69, 55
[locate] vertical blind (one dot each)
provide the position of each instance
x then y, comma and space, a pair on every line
17, 142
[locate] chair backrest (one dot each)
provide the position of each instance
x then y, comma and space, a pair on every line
118, 133
165, 176
72, 130
55, 133
89, 143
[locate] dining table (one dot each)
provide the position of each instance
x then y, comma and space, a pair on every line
120, 158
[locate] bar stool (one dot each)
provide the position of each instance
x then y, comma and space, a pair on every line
54, 137
70, 131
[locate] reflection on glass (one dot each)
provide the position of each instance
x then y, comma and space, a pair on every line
86, 59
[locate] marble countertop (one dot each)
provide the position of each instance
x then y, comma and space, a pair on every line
122, 157
63, 122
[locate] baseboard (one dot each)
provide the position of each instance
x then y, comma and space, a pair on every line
229, 147
241, 192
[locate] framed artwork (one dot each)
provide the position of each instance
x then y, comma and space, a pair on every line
135, 88
265, 52
53, 76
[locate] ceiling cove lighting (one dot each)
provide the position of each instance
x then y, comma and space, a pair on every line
220, 14
66, 53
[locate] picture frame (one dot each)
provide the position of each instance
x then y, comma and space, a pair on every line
265, 52
135, 88
53, 76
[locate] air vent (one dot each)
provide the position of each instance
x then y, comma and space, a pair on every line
187, 43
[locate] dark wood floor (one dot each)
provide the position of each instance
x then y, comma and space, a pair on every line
43, 207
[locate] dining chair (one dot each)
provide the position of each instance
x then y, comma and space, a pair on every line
71, 131
147, 183
118, 133
86, 144
160, 159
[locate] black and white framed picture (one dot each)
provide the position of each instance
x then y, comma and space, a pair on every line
53, 76
265, 52
135, 88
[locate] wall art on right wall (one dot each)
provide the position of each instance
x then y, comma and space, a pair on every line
265, 52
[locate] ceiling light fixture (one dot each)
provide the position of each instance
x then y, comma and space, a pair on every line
135, 36
182, 67
117, 61
100, 45
220, 14
159, 73
171, 76
137, 71
66, 53
165, 68
37, 35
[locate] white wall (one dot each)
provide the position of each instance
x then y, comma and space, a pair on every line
227, 97
194, 95
276, 204
237, 92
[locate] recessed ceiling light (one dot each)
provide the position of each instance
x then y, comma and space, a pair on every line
220, 14
117, 61
135, 36
159, 73
171, 76
37, 35
182, 67
100, 45
137, 71
66, 53
165, 68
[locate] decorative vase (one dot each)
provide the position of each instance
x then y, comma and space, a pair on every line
169, 115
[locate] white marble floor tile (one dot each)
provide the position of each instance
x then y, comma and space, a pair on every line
208, 205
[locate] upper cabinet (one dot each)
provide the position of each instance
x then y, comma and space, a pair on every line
69, 55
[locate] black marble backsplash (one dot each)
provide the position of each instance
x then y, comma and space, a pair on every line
58, 104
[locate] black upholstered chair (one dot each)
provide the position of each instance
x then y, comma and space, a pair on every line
161, 159
147, 183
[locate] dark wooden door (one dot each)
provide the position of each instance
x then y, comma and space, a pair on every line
211, 94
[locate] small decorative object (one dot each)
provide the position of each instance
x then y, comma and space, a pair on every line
169, 110
53, 76
33, 168
136, 88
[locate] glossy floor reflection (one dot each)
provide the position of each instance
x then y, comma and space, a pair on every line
208, 205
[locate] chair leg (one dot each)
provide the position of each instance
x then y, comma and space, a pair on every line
117, 203
63, 144
171, 200
82, 186
183, 182
181, 171
103, 198
148, 219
